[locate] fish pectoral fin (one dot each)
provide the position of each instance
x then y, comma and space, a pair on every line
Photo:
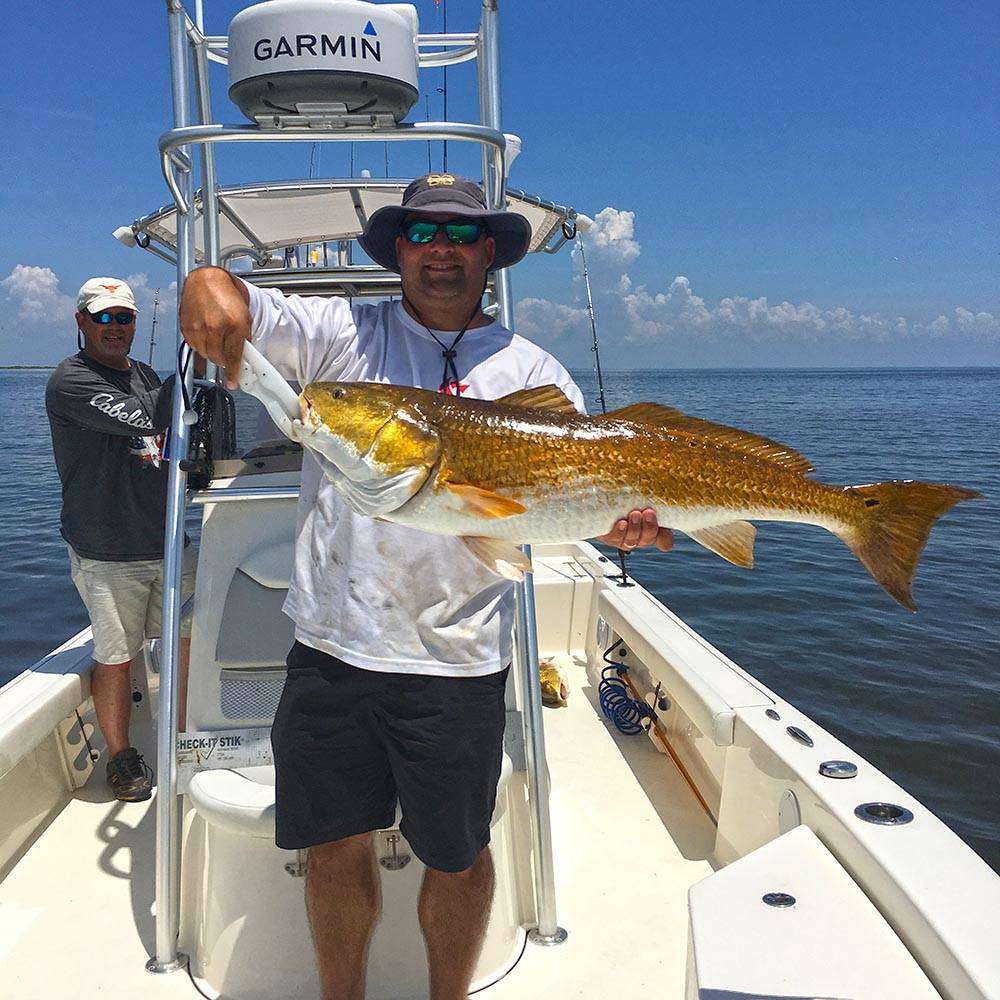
733, 541
502, 557
543, 397
483, 503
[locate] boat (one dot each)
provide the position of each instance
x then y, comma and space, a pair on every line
677, 829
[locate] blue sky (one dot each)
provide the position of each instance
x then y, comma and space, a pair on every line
775, 184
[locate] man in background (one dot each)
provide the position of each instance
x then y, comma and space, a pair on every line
109, 415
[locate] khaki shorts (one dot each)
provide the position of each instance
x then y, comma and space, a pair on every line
124, 601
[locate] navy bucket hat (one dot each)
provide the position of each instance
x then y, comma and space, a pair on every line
456, 196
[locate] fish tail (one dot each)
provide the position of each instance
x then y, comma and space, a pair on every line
891, 534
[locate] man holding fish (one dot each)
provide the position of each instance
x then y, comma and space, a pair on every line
396, 680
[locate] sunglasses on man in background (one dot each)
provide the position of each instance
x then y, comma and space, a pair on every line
106, 317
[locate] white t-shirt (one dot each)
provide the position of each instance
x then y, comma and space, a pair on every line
378, 595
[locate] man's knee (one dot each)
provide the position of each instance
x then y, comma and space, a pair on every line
481, 865
112, 666
337, 855
345, 869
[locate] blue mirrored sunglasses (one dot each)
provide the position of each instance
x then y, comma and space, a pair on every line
105, 317
424, 231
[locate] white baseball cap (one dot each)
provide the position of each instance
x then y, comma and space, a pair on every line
105, 293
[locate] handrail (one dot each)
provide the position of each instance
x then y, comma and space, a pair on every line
465, 54
193, 135
166, 957
546, 930
230, 494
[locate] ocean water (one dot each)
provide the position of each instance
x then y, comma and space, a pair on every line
918, 695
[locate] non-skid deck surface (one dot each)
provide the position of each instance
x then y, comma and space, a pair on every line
76, 912
76, 920
629, 840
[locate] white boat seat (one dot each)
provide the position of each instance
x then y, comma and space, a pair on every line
241, 800
831, 942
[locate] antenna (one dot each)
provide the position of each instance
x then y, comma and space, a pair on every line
444, 28
152, 332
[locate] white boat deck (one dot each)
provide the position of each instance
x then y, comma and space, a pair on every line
629, 836
629, 839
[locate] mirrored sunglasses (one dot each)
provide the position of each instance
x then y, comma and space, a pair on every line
423, 231
105, 317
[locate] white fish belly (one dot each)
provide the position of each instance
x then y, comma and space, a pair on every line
574, 515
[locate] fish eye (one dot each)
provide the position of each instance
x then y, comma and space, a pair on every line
339, 394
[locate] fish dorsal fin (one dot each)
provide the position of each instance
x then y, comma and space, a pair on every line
753, 445
733, 541
543, 397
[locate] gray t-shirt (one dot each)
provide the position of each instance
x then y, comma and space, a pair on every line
107, 428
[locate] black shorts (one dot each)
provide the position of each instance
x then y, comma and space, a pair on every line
347, 742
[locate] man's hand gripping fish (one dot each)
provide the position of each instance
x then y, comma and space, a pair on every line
529, 468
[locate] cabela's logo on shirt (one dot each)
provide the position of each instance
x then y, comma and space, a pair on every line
453, 388
104, 401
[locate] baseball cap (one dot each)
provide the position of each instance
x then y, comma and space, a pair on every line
104, 293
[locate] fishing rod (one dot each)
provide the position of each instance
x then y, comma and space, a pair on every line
590, 312
582, 225
152, 332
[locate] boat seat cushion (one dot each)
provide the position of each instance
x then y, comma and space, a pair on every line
241, 800
831, 942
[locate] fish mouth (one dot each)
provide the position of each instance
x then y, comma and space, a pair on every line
310, 418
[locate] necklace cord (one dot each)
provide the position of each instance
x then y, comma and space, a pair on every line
449, 354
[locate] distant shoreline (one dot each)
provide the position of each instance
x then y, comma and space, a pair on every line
660, 371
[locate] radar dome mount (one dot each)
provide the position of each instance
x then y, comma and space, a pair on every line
327, 59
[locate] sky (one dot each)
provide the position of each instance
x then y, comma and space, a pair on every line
773, 184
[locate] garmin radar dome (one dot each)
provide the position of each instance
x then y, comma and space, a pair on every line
324, 57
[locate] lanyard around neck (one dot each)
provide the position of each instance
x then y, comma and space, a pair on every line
450, 374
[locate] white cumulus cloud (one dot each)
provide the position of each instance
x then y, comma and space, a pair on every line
145, 294
610, 238
646, 315
35, 292
542, 318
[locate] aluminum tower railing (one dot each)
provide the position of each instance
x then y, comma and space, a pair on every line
190, 52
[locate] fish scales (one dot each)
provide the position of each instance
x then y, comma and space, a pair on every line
575, 474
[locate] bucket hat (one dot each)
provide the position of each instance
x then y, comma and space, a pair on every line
456, 196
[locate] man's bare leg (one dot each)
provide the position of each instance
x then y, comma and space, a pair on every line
343, 900
454, 909
111, 689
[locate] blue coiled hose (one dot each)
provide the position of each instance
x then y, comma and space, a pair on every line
622, 710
